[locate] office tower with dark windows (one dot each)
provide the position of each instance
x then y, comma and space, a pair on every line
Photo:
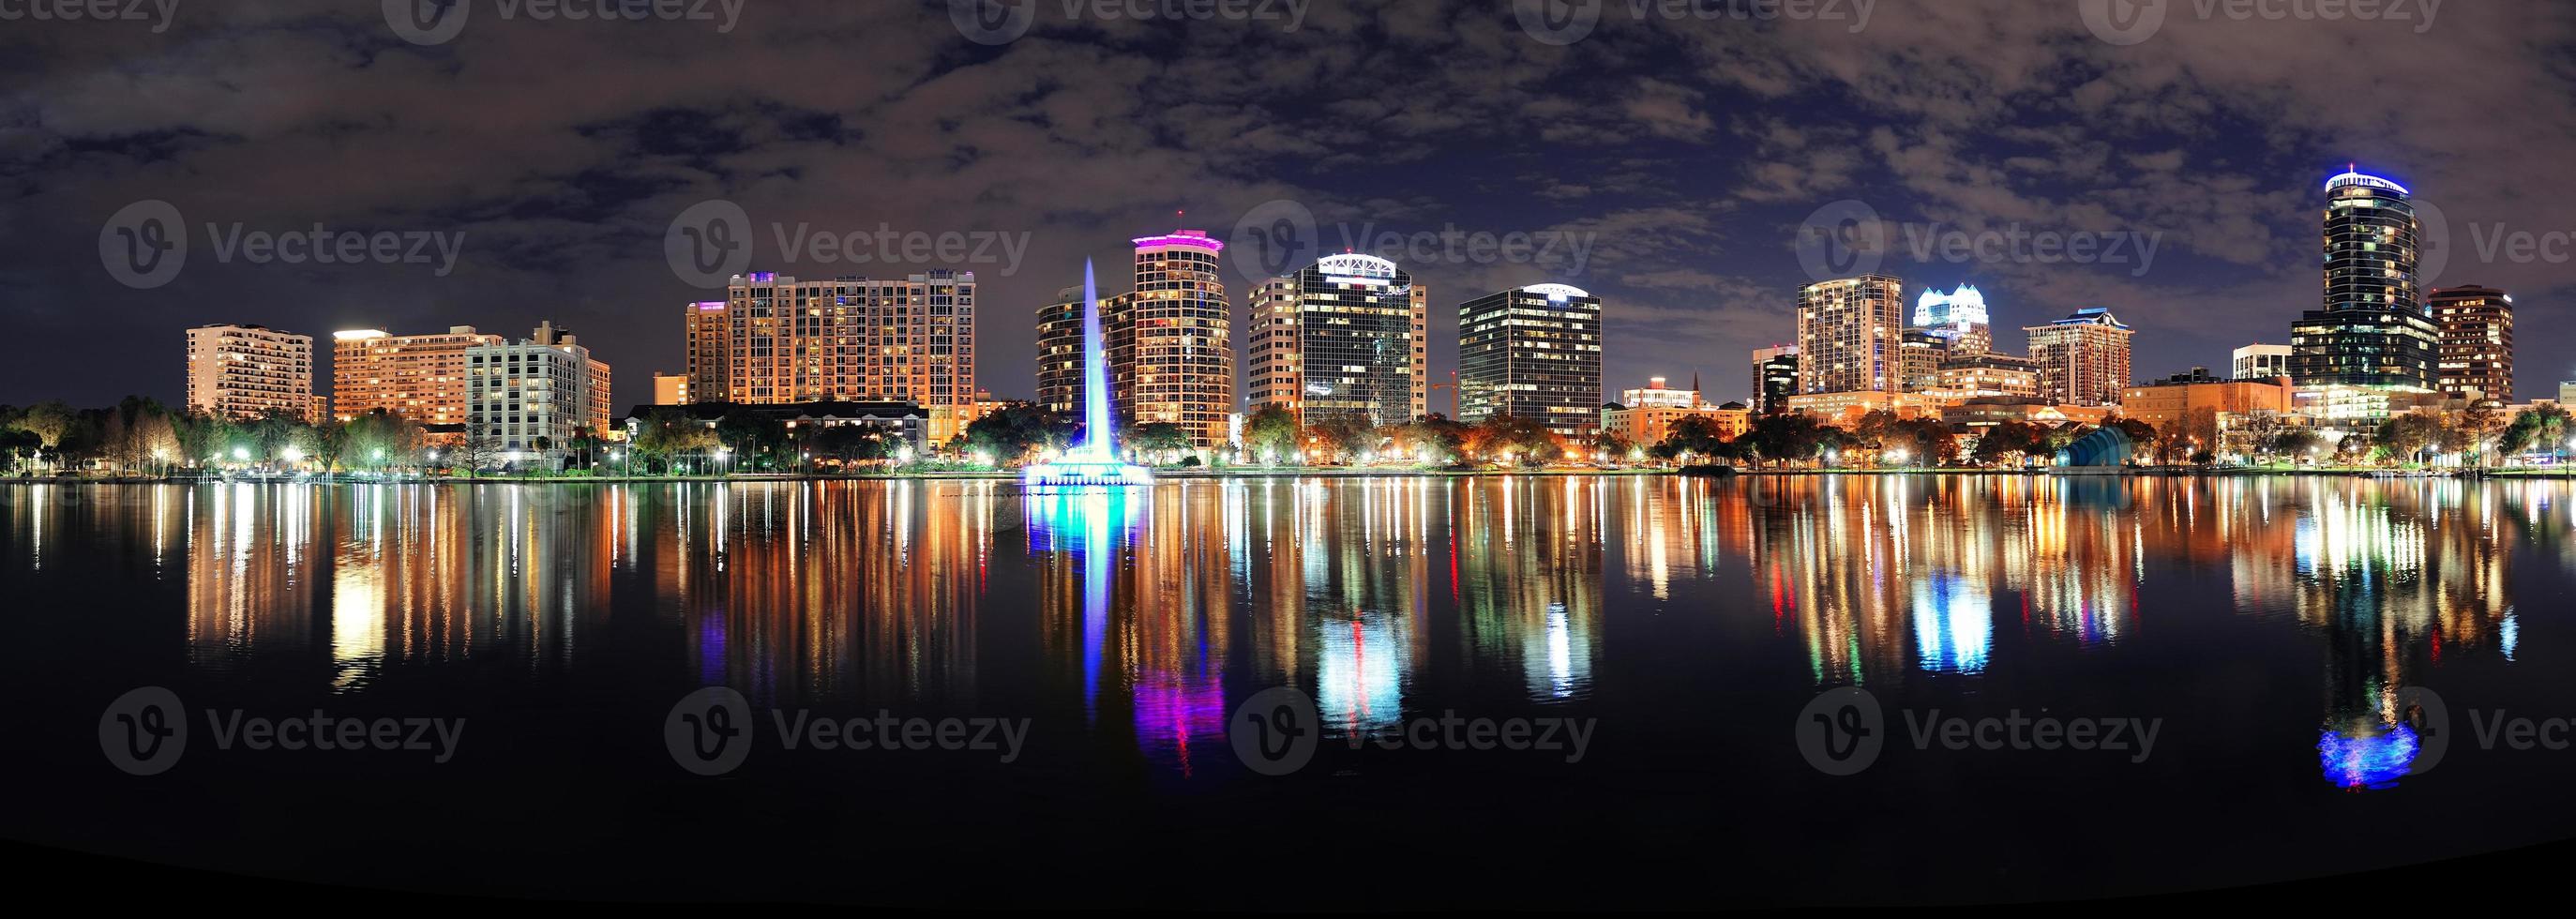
2083, 359
2260, 362
1775, 378
2373, 329
2476, 357
1170, 341
1341, 339
1535, 353
1958, 317
1850, 335
776, 340
1060, 353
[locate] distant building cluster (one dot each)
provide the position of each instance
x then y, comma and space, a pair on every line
2375, 347
534, 396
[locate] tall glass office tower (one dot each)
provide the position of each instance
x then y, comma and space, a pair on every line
2373, 329
1343, 338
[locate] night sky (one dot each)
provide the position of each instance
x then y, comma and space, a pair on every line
1682, 155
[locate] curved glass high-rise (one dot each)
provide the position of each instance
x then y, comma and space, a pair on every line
2373, 329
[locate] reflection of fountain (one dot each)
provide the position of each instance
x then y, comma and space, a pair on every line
1095, 460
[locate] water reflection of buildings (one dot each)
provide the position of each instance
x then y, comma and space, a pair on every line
1332, 586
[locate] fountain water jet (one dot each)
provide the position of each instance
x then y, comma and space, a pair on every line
1095, 460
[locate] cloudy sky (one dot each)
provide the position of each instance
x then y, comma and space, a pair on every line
528, 161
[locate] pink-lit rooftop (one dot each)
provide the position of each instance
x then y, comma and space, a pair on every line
1197, 238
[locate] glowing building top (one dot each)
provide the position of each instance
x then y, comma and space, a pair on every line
1957, 309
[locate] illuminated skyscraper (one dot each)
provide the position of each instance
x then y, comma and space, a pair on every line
2083, 359
534, 396
416, 377
1171, 347
1060, 353
1959, 316
2261, 362
1532, 352
246, 372
2476, 360
777, 340
1850, 334
1344, 337
2373, 329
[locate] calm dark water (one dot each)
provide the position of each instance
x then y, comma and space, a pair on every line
2273, 632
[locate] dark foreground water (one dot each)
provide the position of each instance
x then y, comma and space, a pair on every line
1515, 691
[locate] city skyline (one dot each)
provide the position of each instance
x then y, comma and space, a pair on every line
1699, 256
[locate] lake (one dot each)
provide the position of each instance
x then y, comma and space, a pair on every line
1522, 691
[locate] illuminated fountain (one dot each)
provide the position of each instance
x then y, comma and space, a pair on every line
1095, 460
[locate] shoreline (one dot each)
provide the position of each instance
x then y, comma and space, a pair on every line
1328, 473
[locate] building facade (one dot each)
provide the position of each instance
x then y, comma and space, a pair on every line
2083, 359
1532, 352
1775, 378
1920, 354
2373, 329
1646, 416
1343, 338
1850, 335
672, 389
2475, 361
1170, 341
1983, 375
420, 378
2261, 362
2167, 403
1959, 317
247, 372
1060, 353
776, 340
530, 399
